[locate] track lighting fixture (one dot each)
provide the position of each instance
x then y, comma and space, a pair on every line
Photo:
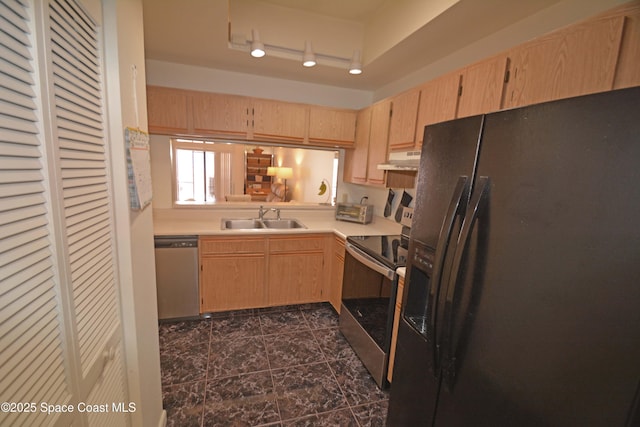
356, 65
308, 58
257, 48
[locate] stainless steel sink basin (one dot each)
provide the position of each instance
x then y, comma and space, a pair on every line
257, 224
241, 224
283, 223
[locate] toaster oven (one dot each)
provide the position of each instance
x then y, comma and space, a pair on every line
362, 214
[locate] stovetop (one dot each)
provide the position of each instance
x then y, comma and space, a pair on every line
382, 248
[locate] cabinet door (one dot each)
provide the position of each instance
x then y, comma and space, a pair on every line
482, 86
577, 61
355, 160
219, 114
232, 282
402, 128
296, 270
167, 110
628, 70
279, 120
438, 102
332, 127
378, 140
296, 278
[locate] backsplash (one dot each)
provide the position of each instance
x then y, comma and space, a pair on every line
353, 193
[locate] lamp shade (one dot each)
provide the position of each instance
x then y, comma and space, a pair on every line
285, 173
272, 171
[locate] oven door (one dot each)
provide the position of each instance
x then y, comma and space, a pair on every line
366, 316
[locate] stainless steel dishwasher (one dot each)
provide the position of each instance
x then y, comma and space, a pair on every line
177, 276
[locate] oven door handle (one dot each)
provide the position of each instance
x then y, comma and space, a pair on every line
369, 262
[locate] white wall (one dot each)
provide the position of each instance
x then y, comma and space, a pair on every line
126, 99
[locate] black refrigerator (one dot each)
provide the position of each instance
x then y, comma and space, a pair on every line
522, 295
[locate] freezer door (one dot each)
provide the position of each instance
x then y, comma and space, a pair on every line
445, 179
541, 321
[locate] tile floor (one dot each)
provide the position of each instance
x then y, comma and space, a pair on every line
283, 366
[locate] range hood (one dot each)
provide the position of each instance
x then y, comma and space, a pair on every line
402, 161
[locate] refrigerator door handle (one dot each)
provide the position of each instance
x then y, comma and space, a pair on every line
456, 207
449, 362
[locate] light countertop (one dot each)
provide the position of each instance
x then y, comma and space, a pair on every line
173, 222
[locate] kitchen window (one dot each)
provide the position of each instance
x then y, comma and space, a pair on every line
201, 171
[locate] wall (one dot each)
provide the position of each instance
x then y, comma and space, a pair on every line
127, 108
168, 74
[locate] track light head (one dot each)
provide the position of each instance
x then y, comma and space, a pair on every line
257, 48
356, 66
308, 58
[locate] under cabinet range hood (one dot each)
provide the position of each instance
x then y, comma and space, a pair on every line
402, 161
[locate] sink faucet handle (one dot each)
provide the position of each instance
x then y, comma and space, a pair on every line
261, 212
278, 213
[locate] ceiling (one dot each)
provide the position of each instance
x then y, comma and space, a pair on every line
395, 37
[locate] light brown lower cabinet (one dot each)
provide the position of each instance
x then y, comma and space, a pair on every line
396, 323
239, 272
232, 273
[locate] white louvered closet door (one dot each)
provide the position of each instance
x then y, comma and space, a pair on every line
32, 355
60, 331
88, 223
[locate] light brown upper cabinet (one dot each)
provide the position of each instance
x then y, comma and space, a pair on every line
378, 139
168, 110
404, 115
482, 85
370, 149
355, 160
628, 70
279, 120
220, 114
333, 127
438, 102
576, 61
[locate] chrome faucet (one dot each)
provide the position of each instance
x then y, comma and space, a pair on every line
262, 211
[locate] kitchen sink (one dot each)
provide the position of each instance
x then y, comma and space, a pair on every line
241, 224
283, 223
257, 224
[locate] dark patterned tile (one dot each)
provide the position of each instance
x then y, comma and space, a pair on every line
235, 327
354, 379
231, 313
232, 357
292, 349
243, 400
183, 403
321, 317
184, 332
372, 414
282, 322
277, 309
340, 418
333, 344
306, 390
185, 363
